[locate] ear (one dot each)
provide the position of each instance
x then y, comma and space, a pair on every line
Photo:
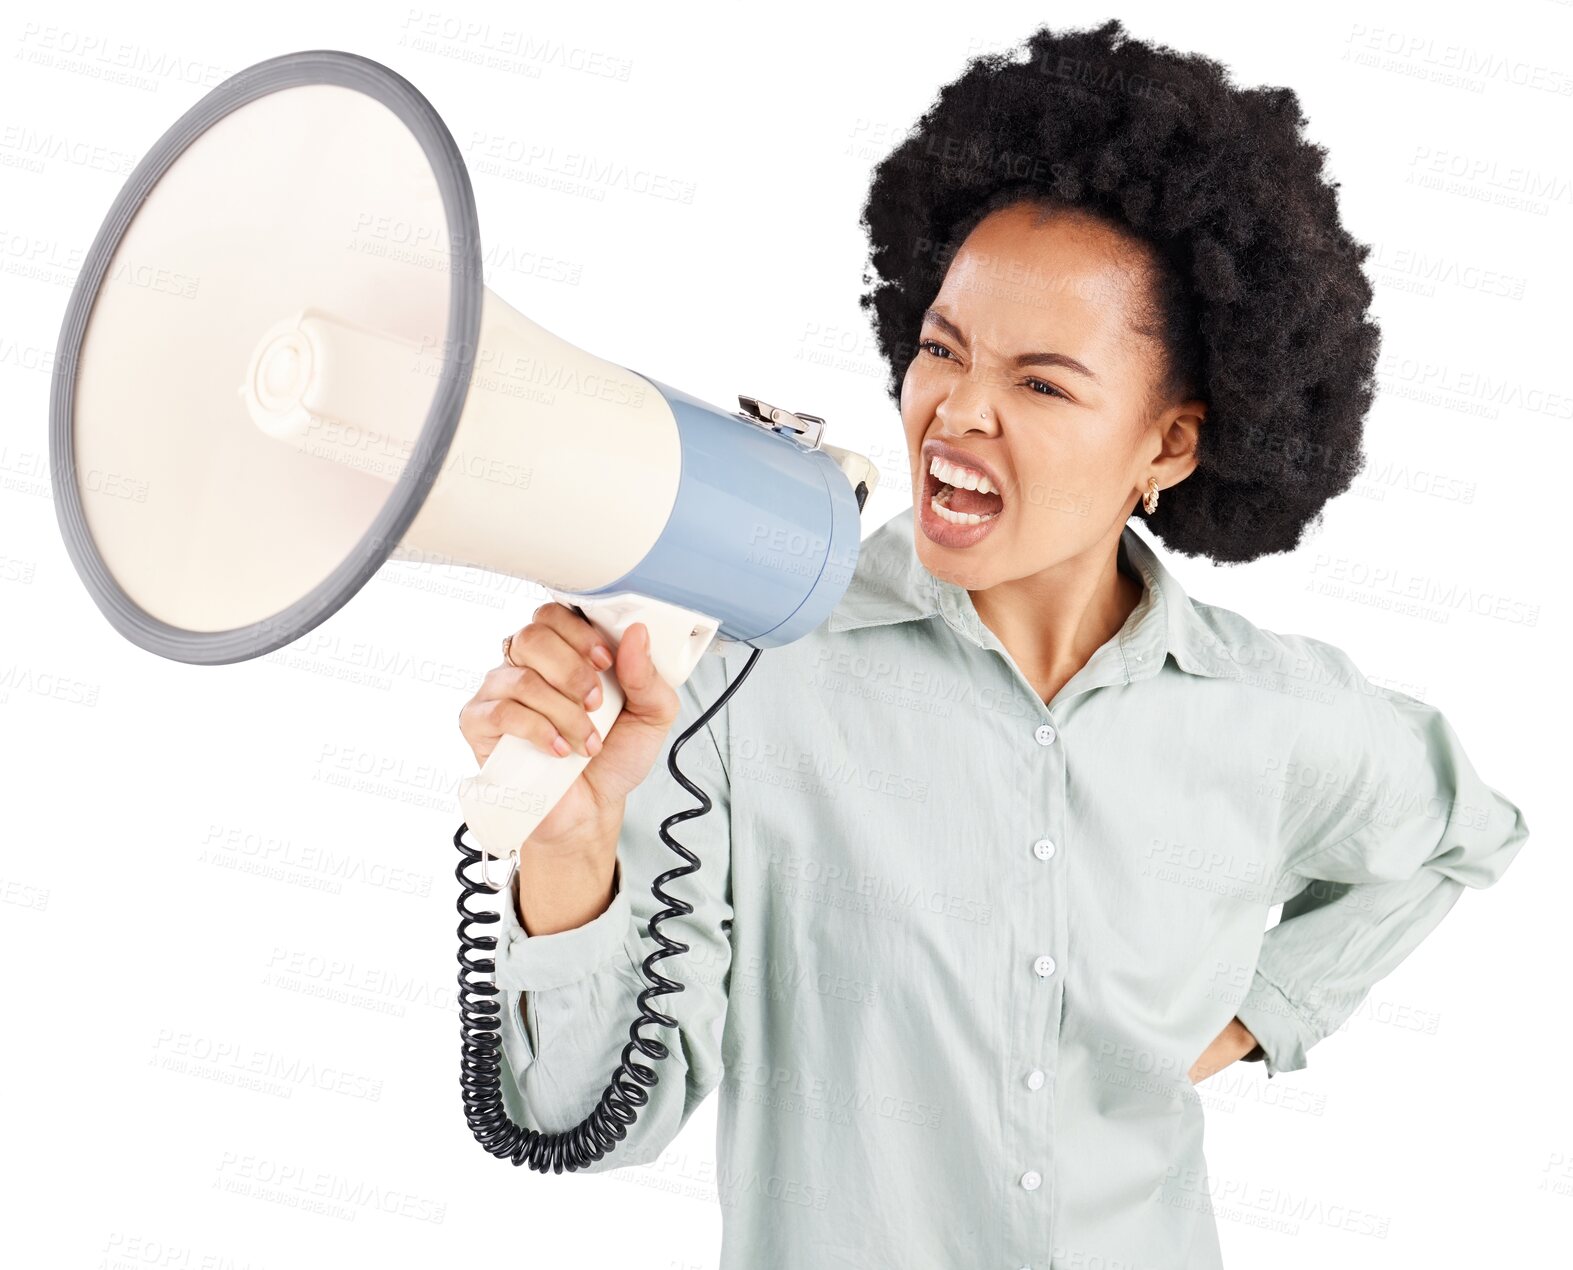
1179, 431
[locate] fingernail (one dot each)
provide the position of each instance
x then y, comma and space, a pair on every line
592, 744
561, 746
600, 658
593, 698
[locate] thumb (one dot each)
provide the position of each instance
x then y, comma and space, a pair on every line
646, 695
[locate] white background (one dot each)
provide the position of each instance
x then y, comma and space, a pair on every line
148, 966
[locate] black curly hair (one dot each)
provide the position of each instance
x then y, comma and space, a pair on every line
1258, 299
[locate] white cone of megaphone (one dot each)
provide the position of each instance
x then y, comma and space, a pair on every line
280, 367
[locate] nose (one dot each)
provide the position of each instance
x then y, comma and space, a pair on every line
969, 406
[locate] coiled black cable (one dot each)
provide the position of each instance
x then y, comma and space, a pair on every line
480, 1010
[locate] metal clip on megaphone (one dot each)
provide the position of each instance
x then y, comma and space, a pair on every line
316, 385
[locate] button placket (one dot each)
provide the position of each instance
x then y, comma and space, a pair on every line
1044, 964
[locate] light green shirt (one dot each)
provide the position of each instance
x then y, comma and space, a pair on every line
954, 951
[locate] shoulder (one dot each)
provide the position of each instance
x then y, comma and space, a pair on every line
1335, 752
1225, 644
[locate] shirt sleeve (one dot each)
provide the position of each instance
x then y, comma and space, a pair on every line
1398, 824
569, 999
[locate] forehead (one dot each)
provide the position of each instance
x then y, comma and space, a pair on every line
1017, 273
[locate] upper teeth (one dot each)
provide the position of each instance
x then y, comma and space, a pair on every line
961, 477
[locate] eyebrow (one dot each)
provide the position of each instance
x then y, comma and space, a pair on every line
1026, 359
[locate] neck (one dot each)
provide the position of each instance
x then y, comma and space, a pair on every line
1052, 622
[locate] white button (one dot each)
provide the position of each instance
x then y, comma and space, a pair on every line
1030, 1180
1043, 848
1044, 966
1045, 734
1034, 1079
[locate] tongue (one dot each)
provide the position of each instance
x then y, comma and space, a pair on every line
971, 500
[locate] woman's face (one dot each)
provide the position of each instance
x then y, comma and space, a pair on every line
1028, 366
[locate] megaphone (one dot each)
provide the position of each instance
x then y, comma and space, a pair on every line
282, 334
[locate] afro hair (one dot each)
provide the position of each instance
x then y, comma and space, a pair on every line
1259, 300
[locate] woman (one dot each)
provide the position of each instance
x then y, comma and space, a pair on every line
984, 887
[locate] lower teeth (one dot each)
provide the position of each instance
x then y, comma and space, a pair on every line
956, 518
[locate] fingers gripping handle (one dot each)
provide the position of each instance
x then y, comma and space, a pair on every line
518, 785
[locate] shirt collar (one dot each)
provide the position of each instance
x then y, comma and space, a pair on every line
891, 584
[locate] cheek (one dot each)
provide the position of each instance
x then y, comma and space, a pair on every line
1068, 474
919, 397
911, 420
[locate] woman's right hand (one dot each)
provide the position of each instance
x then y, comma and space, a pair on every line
546, 695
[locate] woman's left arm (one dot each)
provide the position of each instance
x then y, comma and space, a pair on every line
1411, 825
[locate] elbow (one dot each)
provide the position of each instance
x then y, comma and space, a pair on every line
1483, 842
598, 1113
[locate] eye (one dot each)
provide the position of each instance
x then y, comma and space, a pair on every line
1052, 390
935, 349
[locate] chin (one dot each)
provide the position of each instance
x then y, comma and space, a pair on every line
944, 564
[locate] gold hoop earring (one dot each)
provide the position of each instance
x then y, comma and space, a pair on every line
1150, 498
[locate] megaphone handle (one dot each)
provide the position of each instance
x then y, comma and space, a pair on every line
519, 784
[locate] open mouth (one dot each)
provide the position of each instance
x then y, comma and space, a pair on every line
959, 505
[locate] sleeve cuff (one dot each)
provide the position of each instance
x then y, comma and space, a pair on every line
1282, 1035
538, 963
